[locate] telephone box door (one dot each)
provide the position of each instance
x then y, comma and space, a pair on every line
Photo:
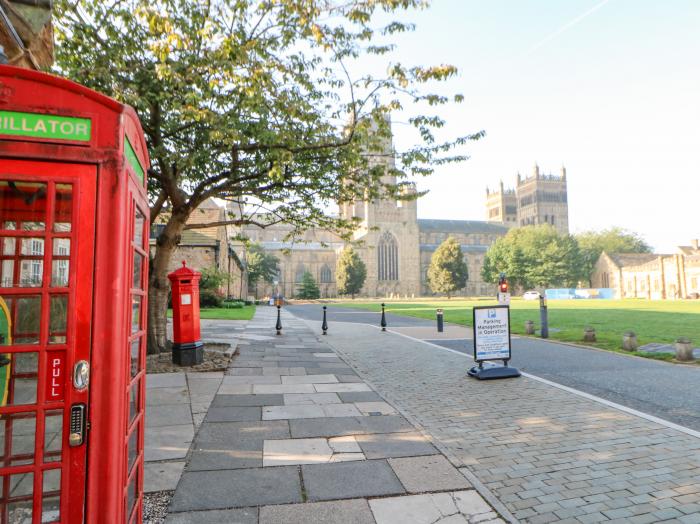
47, 238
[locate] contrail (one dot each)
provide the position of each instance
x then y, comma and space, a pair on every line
566, 26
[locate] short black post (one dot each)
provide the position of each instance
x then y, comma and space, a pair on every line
324, 326
278, 327
383, 322
439, 321
544, 326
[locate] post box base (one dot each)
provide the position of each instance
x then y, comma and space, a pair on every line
188, 354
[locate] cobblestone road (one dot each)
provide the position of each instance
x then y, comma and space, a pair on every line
548, 455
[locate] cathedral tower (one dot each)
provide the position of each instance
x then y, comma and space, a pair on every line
542, 199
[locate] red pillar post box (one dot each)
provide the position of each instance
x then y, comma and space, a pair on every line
187, 344
73, 263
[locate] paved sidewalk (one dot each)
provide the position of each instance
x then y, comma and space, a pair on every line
293, 435
548, 455
176, 404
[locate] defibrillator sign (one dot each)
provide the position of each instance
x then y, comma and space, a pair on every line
491, 333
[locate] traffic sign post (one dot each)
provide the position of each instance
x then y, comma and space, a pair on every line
492, 343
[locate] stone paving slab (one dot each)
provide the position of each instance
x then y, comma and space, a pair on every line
200, 490
428, 473
355, 511
162, 476
233, 413
347, 480
334, 427
168, 442
219, 516
221, 401
385, 445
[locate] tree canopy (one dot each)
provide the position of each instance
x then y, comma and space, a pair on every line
534, 257
254, 102
350, 273
308, 289
260, 265
447, 272
612, 240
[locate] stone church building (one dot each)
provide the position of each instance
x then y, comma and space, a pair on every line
396, 245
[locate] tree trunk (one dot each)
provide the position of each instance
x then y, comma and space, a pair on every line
158, 284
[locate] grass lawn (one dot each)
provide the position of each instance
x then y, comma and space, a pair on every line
244, 313
651, 320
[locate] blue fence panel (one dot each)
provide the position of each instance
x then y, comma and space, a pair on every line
572, 293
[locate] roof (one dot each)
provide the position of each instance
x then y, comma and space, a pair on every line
301, 246
465, 248
633, 259
192, 237
461, 226
688, 250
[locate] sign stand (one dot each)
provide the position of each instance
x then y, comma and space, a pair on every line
492, 342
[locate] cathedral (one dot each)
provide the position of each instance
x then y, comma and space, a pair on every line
396, 245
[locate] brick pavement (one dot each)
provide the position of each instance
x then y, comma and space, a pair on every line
548, 455
294, 435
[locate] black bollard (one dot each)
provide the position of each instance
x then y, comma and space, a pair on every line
439, 321
383, 322
544, 325
324, 326
278, 327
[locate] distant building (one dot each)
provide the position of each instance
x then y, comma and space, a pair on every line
651, 275
26, 33
537, 199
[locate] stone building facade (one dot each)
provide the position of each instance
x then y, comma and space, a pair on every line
649, 275
395, 245
537, 199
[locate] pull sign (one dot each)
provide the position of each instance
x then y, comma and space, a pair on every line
56, 375
77, 425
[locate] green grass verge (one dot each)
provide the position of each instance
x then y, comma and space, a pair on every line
651, 320
244, 313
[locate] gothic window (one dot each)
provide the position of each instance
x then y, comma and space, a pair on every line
299, 273
326, 275
388, 257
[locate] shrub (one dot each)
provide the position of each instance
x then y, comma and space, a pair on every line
210, 298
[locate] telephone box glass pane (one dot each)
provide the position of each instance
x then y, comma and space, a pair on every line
31, 273
135, 313
25, 312
139, 221
135, 357
58, 315
53, 435
64, 208
133, 447
131, 496
20, 386
6, 273
8, 245
16, 501
23, 204
50, 511
133, 401
17, 433
138, 266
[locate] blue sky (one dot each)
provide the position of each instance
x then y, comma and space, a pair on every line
609, 88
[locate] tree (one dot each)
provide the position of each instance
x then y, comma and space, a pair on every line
447, 272
612, 240
534, 256
350, 273
253, 102
261, 265
308, 288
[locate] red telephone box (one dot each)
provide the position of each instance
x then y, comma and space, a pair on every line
73, 264
188, 349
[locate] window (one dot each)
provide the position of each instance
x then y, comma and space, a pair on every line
388, 257
326, 275
299, 275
